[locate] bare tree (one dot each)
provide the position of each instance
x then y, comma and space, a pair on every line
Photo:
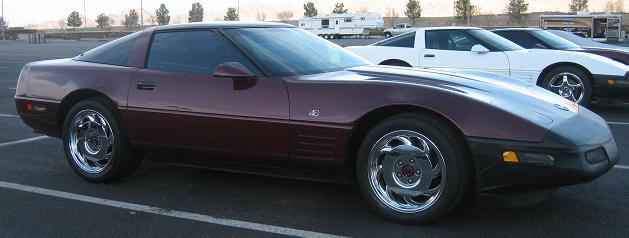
285, 15
392, 16
152, 20
261, 16
62, 24
178, 19
615, 6
363, 10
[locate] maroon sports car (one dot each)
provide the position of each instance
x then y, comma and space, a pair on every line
272, 99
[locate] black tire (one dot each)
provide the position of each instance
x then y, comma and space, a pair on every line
388, 35
457, 163
583, 76
122, 162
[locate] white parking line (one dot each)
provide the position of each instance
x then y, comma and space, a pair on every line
7, 115
23, 141
165, 212
621, 167
617, 123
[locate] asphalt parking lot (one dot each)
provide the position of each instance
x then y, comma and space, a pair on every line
40, 196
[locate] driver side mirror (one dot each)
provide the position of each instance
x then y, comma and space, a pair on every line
232, 70
243, 78
479, 49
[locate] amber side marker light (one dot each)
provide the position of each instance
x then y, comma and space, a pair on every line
510, 156
611, 82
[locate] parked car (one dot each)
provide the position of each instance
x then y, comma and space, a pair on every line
269, 98
571, 75
398, 29
531, 38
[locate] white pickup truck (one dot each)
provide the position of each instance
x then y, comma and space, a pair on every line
398, 29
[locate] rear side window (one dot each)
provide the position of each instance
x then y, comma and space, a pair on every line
521, 38
198, 52
406, 40
113, 53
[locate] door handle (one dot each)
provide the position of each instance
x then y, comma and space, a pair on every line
146, 85
429, 56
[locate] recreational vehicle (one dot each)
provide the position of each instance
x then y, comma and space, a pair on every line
335, 26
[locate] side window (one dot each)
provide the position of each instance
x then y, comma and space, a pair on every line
406, 40
449, 40
521, 38
114, 53
190, 52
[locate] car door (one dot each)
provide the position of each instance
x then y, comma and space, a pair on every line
176, 106
452, 49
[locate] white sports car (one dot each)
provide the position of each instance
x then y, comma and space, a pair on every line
572, 75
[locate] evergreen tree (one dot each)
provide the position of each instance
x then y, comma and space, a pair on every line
196, 13
74, 20
162, 15
310, 10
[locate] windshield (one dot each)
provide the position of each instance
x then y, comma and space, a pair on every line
496, 41
555, 42
292, 51
580, 41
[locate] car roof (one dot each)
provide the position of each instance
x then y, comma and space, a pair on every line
222, 24
450, 28
518, 29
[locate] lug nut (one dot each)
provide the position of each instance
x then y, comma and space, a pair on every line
399, 175
418, 172
412, 161
410, 181
399, 163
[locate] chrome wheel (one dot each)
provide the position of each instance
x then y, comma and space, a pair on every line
91, 141
568, 85
407, 171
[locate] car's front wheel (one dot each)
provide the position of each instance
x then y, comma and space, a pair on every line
95, 142
570, 83
413, 168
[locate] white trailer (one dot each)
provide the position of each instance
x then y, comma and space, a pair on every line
336, 26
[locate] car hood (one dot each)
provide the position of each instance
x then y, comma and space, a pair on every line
525, 100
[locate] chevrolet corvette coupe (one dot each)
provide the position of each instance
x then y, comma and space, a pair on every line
272, 99
607, 88
572, 75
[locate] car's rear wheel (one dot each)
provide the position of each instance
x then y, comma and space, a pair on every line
413, 168
570, 83
388, 35
95, 142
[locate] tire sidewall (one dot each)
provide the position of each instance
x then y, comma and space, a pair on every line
455, 164
585, 78
104, 109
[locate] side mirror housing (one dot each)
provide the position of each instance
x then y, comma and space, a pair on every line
538, 46
232, 70
479, 49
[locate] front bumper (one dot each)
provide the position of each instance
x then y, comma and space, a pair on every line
567, 143
609, 86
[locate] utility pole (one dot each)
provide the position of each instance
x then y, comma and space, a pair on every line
3, 20
84, 15
141, 16
238, 10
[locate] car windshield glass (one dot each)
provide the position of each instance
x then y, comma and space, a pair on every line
292, 51
554, 41
496, 41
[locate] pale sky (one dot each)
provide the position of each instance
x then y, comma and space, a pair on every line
49, 12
